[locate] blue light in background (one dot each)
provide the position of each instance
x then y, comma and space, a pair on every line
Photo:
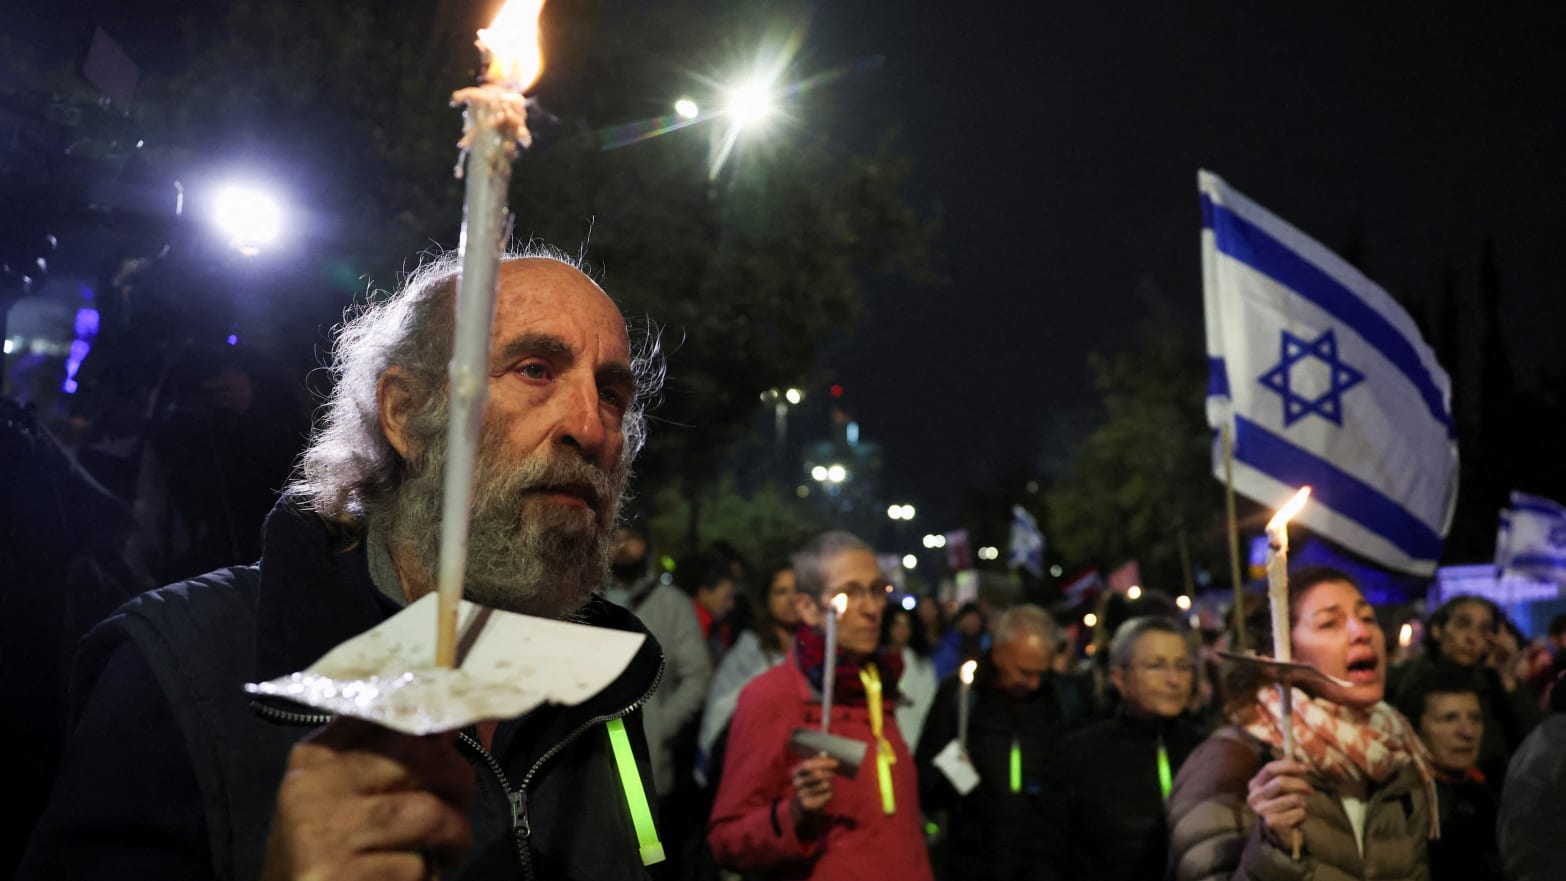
86, 328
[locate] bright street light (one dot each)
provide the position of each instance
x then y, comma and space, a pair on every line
910, 561
1184, 602
1090, 619
818, 474
1134, 593
989, 552
751, 102
249, 218
685, 108
794, 396
836, 474
900, 512
934, 540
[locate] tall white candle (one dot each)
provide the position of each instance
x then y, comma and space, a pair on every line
1278, 599
965, 675
494, 124
829, 664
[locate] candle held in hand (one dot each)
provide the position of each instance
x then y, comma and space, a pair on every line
965, 674
829, 665
494, 124
1278, 598
1278, 573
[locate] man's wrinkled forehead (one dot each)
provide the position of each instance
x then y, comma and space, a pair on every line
544, 297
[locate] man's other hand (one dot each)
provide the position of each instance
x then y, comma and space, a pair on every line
360, 801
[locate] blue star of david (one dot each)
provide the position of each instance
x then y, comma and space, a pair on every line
1329, 404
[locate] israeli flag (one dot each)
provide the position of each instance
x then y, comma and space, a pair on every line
1531, 540
1324, 381
1027, 542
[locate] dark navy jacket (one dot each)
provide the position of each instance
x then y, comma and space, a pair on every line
171, 769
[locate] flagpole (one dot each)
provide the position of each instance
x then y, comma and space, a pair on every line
1234, 537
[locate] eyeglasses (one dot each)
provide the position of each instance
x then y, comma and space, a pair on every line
858, 593
1162, 667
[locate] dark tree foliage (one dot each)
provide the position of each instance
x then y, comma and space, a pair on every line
746, 272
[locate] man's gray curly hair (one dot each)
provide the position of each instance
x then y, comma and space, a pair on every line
349, 468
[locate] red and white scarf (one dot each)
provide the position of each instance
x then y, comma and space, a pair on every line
1341, 743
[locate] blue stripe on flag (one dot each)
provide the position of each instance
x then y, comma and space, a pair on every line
1335, 488
1217, 378
1249, 244
1537, 508
1537, 561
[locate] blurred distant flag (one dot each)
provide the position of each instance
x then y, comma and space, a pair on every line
1531, 540
1129, 575
1326, 382
959, 554
1027, 542
1082, 586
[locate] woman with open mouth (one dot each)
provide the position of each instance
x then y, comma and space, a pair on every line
1356, 796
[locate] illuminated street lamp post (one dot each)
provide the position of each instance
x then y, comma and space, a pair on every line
781, 400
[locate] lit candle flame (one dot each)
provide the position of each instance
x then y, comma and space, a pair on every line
1277, 527
840, 603
965, 673
516, 57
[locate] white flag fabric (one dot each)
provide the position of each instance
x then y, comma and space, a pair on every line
1531, 540
1027, 542
1325, 382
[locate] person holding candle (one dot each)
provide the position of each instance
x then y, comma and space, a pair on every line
779, 816
1017, 710
172, 771
1108, 782
1359, 787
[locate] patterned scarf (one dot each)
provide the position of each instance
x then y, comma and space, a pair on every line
848, 689
1341, 743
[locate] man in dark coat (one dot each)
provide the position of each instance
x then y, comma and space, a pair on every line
171, 772
1018, 709
1105, 792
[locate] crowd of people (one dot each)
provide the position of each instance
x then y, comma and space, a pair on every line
983, 741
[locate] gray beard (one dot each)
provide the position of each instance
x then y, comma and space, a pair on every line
525, 554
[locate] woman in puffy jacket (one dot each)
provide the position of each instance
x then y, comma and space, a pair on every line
1357, 792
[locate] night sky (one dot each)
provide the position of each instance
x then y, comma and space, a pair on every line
1061, 143
1063, 140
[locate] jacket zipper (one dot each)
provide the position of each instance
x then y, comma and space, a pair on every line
524, 828
521, 827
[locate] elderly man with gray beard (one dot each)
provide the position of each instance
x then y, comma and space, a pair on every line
171, 771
